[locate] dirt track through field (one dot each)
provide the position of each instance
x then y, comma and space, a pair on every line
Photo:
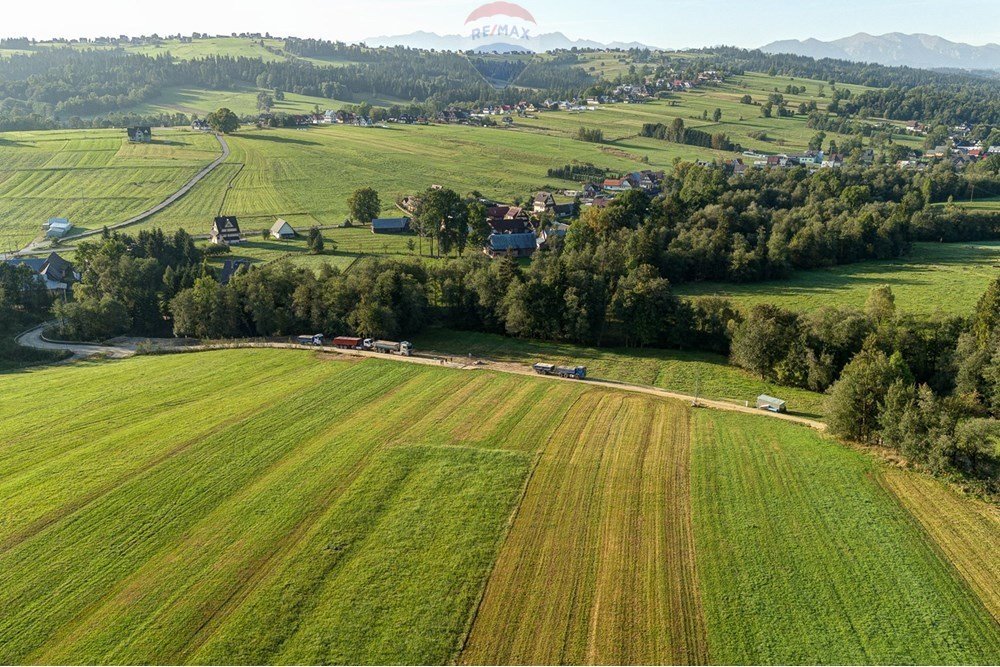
599, 565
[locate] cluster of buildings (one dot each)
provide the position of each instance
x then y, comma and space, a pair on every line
56, 273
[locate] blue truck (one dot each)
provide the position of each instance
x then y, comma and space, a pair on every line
571, 372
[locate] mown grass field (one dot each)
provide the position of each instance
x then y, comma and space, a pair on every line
804, 558
707, 375
277, 507
92, 177
945, 278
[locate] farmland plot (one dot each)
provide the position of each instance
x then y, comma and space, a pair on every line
278, 507
804, 558
92, 177
967, 532
599, 565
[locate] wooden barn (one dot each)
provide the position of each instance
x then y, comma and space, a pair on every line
281, 230
390, 225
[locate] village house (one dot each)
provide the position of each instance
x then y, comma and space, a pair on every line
200, 125
617, 185
390, 225
513, 245
57, 273
281, 230
556, 230
230, 267
225, 231
544, 202
140, 135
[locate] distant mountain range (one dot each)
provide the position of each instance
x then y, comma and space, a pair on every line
925, 51
548, 42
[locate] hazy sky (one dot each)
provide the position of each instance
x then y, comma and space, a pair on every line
666, 23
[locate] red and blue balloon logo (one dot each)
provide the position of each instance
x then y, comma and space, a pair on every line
501, 19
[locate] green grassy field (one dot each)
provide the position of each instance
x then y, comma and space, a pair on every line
344, 247
803, 558
309, 174
946, 278
708, 375
278, 507
92, 177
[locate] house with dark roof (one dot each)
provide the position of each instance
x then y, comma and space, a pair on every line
513, 245
544, 201
225, 231
390, 225
140, 135
56, 272
512, 226
230, 267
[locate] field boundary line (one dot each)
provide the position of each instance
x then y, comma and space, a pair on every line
932, 543
511, 520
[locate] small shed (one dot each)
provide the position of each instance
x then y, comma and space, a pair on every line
390, 225
225, 231
140, 134
771, 404
56, 228
282, 230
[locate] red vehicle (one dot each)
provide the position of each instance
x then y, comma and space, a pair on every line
348, 343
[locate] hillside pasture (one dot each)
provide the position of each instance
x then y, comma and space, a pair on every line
92, 177
935, 278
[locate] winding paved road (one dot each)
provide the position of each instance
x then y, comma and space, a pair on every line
156, 209
33, 338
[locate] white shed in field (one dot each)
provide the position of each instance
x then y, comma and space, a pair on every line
282, 230
770, 403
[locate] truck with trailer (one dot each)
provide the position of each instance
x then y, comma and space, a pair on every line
571, 372
403, 349
315, 339
348, 343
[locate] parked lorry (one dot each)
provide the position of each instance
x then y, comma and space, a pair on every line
315, 339
572, 372
403, 349
348, 343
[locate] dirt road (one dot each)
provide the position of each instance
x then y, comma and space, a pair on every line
127, 348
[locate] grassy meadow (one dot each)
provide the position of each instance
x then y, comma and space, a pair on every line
935, 278
804, 558
281, 507
92, 177
703, 373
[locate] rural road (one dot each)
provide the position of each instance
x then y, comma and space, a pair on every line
121, 350
33, 338
159, 207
